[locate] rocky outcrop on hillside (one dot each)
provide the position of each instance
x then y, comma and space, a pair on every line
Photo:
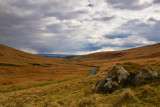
144, 75
119, 77
116, 77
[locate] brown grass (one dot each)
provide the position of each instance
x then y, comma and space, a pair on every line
125, 98
55, 82
19, 69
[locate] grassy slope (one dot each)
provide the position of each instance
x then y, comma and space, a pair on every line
77, 92
20, 70
107, 59
9, 55
149, 51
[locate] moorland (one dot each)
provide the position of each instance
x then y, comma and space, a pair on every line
28, 80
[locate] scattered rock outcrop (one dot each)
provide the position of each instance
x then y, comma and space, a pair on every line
116, 76
119, 77
143, 76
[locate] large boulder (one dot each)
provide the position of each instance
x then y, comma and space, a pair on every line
116, 77
144, 76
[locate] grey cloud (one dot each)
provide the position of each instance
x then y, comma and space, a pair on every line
104, 18
148, 31
24, 31
56, 28
24, 24
56, 44
127, 4
56, 8
152, 19
120, 35
65, 15
156, 1
153, 32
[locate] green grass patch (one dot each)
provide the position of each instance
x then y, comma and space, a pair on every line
33, 86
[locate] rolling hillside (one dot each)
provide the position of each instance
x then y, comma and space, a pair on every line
13, 56
105, 60
149, 51
21, 69
28, 80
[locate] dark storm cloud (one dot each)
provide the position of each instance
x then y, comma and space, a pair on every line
127, 4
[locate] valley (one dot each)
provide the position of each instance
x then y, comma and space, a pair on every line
35, 81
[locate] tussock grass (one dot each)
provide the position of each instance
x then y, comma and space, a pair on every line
147, 90
86, 102
132, 67
72, 94
124, 98
64, 82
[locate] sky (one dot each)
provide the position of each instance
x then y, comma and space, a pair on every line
78, 26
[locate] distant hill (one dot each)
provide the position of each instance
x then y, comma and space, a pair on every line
29, 80
58, 55
149, 51
14, 56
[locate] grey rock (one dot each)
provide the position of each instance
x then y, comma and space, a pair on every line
115, 78
118, 77
143, 76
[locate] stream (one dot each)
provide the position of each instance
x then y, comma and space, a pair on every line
93, 71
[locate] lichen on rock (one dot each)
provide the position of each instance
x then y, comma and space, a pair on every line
118, 77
